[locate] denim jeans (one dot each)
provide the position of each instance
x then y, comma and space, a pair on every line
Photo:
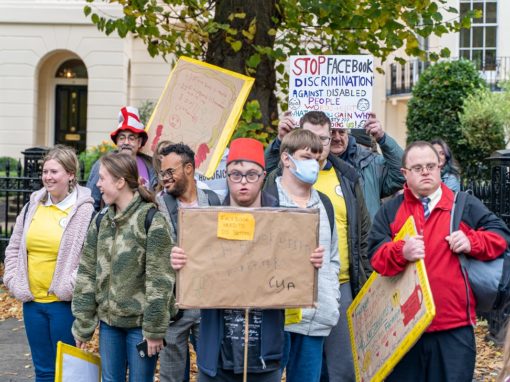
302, 357
117, 347
45, 325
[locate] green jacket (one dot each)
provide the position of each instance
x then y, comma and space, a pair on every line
125, 278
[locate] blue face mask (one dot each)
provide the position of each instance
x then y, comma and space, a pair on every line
307, 170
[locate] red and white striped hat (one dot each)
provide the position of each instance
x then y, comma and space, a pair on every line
129, 119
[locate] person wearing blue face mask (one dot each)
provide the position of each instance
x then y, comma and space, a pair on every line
341, 183
299, 154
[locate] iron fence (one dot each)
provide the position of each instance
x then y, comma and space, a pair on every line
403, 77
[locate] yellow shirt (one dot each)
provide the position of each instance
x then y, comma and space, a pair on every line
43, 242
329, 184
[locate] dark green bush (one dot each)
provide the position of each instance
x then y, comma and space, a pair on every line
437, 101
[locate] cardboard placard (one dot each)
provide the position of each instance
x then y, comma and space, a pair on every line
340, 86
247, 257
388, 316
76, 365
200, 106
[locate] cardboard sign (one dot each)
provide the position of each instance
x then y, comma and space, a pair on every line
340, 86
76, 365
388, 316
200, 106
247, 257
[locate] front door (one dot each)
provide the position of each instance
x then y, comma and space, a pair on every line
71, 116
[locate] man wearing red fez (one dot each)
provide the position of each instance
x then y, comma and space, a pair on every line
130, 137
220, 355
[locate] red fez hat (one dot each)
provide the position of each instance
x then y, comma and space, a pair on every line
247, 149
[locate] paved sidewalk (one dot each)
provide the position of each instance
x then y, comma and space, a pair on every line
15, 362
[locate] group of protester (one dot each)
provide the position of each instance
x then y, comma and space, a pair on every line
106, 254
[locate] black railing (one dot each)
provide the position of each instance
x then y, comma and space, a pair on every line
404, 76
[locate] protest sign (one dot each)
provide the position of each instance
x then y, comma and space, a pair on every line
200, 106
247, 258
388, 316
76, 365
340, 86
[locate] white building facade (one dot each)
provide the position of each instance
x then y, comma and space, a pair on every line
62, 80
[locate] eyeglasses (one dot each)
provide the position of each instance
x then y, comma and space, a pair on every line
131, 138
237, 177
169, 173
418, 169
324, 139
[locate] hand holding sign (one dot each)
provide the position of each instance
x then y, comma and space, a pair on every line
286, 124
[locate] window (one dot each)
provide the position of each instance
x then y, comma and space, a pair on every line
72, 69
478, 44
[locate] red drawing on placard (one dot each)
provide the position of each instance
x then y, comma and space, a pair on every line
155, 141
411, 307
201, 154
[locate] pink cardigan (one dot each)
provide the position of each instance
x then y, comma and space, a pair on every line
68, 257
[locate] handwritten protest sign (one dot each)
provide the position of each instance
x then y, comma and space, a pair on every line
247, 258
200, 106
388, 316
76, 365
340, 86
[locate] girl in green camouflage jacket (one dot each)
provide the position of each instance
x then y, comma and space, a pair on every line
124, 280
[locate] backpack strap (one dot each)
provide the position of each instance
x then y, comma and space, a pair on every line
100, 216
213, 198
330, 211
459, 202
148, 218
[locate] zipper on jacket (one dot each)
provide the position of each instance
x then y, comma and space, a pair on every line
114, 248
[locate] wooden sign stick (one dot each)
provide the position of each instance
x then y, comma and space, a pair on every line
246, 334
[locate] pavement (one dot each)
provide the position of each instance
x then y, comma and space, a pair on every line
15, 361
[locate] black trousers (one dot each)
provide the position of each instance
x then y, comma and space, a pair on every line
447, 356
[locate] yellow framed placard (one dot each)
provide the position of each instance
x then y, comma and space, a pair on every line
76, 365
388, 316
199, 106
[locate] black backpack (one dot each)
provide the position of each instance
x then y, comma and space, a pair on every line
489, 280
148, 218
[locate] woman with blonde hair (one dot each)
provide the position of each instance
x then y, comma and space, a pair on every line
125, 280
43, 254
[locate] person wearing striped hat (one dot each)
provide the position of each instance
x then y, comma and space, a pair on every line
129, 137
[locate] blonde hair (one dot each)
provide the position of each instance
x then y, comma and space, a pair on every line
66, 157
122, 165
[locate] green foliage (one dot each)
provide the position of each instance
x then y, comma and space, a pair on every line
437, 102
12, 162
145, 110
483, 121
248, 127
188, 27
91, 155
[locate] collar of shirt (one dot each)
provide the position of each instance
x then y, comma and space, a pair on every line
286, 200
69, 201
435, 197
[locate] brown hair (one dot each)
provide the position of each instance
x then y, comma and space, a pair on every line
156, 161
421, 144
315, 118
66, 157
122, 165
299, 139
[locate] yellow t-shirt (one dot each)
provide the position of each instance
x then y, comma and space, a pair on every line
329, 184
43, 242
